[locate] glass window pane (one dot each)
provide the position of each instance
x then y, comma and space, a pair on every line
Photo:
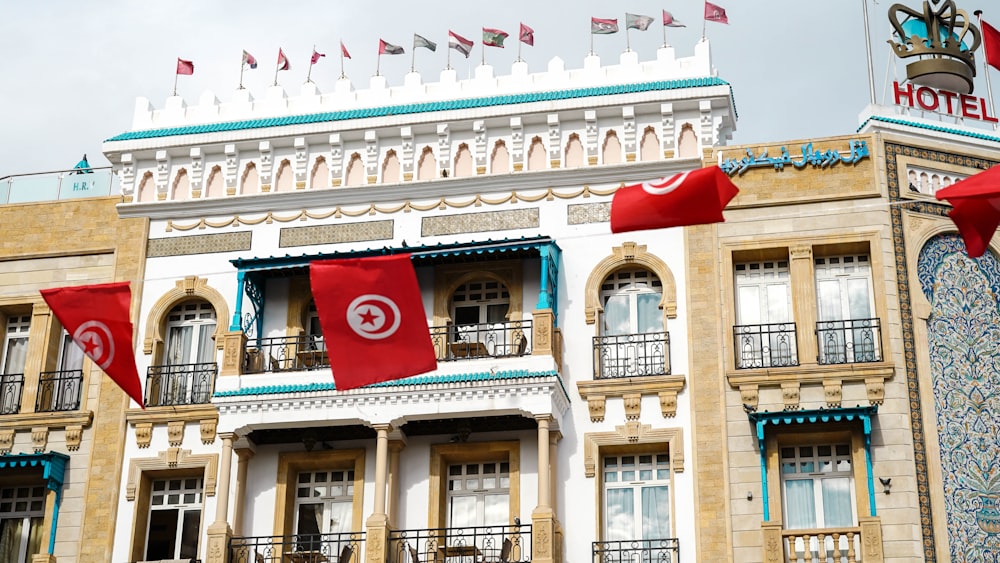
859, 298
828, 294
655, 513
800, 504
463, 512
650, 316
189, 534
162, 535
837, 502
310, 519
777, 303
497, 510
340, 517
619, 515
616, 318
748, 299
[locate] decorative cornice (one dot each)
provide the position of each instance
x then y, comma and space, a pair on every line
27, 421
163, 415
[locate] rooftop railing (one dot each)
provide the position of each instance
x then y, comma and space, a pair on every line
76, 183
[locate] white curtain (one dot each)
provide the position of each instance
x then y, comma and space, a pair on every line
17, 351
206, 346
179, 345
340, 517
655, 512
837, 503
620, 515
10, 538
616, 315
650, 316
800, 504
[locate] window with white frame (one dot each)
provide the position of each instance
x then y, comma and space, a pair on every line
22, 513
764, 334
480, 302
631, 302
15, 344
636, 497
324, 504
847, 330
190, 327
817, 483
70, 355
478, 494
174, 519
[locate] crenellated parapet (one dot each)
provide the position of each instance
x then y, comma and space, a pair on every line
561, 118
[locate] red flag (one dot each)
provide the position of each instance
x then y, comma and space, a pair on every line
373, 319
527, 35
283, 60
388, 48
316, 56
691, 198
343, 51
97, 318
669, 21
459, 43
991, 43
715, 13
975, 203
184, 67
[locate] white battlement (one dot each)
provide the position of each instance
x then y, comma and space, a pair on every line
275, 102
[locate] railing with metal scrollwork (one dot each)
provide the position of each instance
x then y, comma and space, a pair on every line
342, 547
666, 550
631, 355
181, 384
507, 339
59, 390
474, 544
848, 342
11, 385
765, 345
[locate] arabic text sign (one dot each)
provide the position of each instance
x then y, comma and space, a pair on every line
857, 150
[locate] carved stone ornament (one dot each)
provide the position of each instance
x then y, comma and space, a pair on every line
790, 395
207, 428
633, 405
39, 438
749, 395
596, 404
6, 440
833, 393
143, 434
875, 387
668, 403
175, 433
74, 434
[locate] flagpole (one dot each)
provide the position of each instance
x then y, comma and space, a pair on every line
591, 38
342, 75
665, 35
483, 62
378, 63
986, 69
242, 66
868, 51
448, 57
175, 83
518, 45
628, 43
276, 75
413, 54
310, 73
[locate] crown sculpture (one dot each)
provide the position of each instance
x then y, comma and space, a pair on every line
938, 38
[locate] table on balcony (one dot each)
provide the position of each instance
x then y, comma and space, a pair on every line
469, 551
306, 557
311, 359
468, 350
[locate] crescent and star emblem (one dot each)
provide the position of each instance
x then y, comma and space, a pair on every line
668, 185
373, 316
95, 339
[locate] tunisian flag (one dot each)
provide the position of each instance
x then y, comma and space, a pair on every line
373, 319
975, 203
97, 318
690, 198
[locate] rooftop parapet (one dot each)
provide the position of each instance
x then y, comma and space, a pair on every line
58, 185
484, 82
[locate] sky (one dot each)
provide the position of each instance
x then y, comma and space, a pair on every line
73, 70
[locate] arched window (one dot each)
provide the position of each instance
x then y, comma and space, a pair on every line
649, 147
390, 168
355, 171
147, 188
463, 161
426, 166
216, 184
631, 299
612, 150
284, 181
536, 155
182, 186
687, 142
574, 152
250, 184
189, 357
500, 159
479, 311
320, 174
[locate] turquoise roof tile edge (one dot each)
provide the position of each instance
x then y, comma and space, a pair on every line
425, 107
963, 133
414, 380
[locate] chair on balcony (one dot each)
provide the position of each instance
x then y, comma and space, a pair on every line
345, 554
505, 551
413, 555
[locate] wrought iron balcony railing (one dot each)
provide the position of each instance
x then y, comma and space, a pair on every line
59, 390
303, 548
500, 544
849, 342
181, 384
765, 346
285, 353
11, 385
665, 550
632, 355
486, 340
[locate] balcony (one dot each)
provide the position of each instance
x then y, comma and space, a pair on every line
307, 548
487, 340
765, 345
285, 353
824, 545
58, 185
631, 355
11, 385
181, 384
637, 551
849, 342
59, 391
489, 544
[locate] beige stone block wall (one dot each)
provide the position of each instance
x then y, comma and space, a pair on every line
86, 236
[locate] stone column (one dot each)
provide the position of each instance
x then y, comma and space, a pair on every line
243, 455
774, 545
233, 350
376, 547
543, 522
395, 446
219, 532
34, 361
804, 301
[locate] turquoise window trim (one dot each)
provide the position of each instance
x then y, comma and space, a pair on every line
548, 297
237, 322
846, 414
53, 466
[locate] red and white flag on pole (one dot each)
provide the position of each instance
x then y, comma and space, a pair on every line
316, 56
527, 35
373, 319
184, 67
691, 198
283, 63
669, 21
715, 13
459, 43
991, 44
97, 319
975, 203
343, 51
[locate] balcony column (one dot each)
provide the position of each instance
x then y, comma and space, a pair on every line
378, 523
804, 306
392, 503
243, 455
543, 522
34, 361
219, 533
233, 351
